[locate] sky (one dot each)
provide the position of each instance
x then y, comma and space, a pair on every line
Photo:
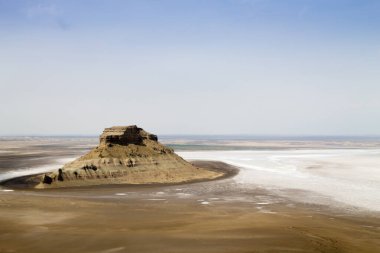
260, 67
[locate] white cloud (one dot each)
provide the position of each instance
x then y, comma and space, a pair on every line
49, 13
42, 10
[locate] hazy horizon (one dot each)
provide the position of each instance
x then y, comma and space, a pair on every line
256, 67
218, 137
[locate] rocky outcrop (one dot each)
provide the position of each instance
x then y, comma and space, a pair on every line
125, 135
125, 155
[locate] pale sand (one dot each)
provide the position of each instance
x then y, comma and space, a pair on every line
202, 217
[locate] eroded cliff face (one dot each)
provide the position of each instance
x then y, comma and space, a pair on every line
125, 155
125, 135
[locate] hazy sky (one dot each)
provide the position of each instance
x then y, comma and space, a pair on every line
289, 67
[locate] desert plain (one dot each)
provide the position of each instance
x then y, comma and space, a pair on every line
212, 216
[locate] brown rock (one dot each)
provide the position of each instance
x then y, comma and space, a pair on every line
125, 135
125, 155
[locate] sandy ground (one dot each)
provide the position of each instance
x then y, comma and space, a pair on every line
199, 217
214, 216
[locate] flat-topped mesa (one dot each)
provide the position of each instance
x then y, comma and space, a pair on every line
125, 155
125, 135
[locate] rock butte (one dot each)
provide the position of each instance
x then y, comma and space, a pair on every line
125, 155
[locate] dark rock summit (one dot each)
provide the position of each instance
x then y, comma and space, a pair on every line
125, 135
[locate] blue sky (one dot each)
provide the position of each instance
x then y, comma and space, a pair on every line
282, 67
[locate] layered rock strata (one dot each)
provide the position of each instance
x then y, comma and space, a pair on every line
125, 155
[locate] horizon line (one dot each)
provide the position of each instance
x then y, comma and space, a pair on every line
210, 135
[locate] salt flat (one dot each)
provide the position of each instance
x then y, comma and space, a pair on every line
335, 176
282, 200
